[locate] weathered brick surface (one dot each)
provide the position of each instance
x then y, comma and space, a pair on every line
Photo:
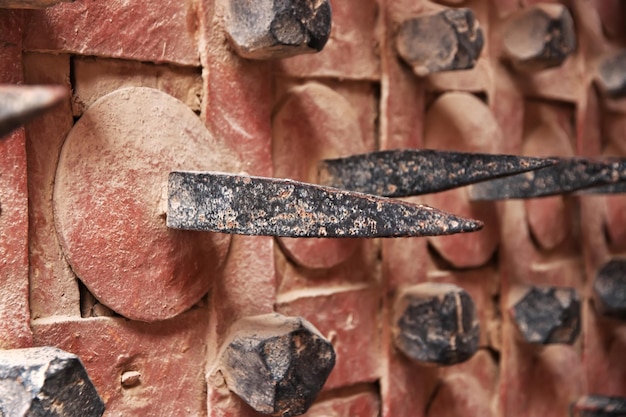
170, 357
117, 29
352, 52
54, 290
14, 305
556, 241
94, 78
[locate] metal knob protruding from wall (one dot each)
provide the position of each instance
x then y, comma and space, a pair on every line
539, 37
269, 29
46, 381
436, 324
444, 41
609, 289
276, 364
547, 315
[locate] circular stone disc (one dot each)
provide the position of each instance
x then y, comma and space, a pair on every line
314, 123
110, 201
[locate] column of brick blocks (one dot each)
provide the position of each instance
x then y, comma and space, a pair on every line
279, 118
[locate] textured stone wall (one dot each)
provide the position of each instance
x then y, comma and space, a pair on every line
278, 118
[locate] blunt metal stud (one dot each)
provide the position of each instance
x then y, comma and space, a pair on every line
20, 104
599, 406
227, 203
540, 37
46, 381
266, 29
568, 175
276, 364
609, 288
436, 324
611, 75
547, 315
408, 172
444, 41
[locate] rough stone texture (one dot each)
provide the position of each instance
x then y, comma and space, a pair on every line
93, 78
46, 381
609, 287
117, 29
547, 315
436, 324
276, 364
278, 28
448, 126
445, 41
352, 51
53, 287
14, 306
169, 355
109, 202
347, 318
540, 37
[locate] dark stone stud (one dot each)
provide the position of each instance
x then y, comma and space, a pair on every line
46, 381
547, 315
444, 41
609, 289
268, 29
611, 75
276, 364
540, 37
599, 406
436, 324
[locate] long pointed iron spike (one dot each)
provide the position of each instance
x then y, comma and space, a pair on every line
567, 176
239, 204
401, 173
19, 104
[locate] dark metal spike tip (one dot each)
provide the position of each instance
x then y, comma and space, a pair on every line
19, 104
567, 176
240, 204
408, 172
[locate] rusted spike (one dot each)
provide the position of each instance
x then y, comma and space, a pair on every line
276, 364
46, 381
540, 37
266, 29
30, 4
609, 289
240, 204
444, 41
547, 315
19, 104
400, 173
436, 324
599, 406
567, 176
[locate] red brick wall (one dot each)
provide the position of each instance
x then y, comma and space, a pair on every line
353, 97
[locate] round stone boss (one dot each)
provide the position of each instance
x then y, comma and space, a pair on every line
313, 123
110, 203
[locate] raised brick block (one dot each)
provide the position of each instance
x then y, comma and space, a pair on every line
154, 31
